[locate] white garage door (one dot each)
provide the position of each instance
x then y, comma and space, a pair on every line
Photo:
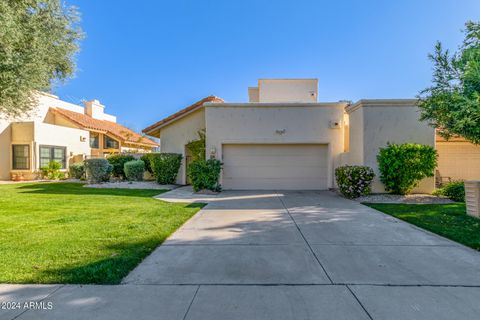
275, 166
458, 160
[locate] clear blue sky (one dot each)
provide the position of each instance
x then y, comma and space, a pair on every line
147, 59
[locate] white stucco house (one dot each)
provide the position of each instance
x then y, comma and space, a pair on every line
60, 131
283, 138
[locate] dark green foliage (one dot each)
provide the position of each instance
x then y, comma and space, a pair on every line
147, 159
197, 147
354, 181
52, 171
77, 170
38, 41
402, 166
134, 170
118, 162
204, 174
98, 170
448, 220
454, 190
452, 103
163, 166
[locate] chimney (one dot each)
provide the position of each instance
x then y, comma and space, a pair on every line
94, 109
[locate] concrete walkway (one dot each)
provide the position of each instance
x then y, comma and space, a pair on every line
280, 255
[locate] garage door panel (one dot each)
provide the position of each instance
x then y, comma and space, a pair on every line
458, 160
281, 166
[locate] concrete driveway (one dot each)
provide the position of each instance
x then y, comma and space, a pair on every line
283, 255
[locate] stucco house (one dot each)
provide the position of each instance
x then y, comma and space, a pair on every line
64, 132
283, 138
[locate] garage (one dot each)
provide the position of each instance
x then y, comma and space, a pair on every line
458, 160
275, 166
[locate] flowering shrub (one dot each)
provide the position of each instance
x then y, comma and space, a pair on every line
354, 181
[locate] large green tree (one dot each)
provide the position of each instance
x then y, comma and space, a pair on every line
452, 103
38, 41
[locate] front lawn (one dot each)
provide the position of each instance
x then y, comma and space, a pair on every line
448, 220
64, 233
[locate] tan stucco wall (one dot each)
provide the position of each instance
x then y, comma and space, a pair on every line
458, 160
287, 90
5, 152
175, 136
383, 122
262, 123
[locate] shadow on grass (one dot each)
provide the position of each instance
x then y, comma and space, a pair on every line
78, 189
109, 270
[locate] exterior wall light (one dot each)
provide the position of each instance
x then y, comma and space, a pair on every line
213, 153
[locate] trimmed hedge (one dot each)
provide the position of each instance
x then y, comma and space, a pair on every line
98, 170
204, 174
402, 166
454, 190
163, 166
118, 162
134, 170
77, 170
354, 181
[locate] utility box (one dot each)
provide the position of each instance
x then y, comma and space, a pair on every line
472, 198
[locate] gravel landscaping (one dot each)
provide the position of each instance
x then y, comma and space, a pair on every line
410, 198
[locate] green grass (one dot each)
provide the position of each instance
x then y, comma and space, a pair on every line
448, 220
65, 233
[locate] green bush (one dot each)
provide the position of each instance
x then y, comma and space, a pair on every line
454, 190
147, 159
197, 147
77, 170
204, 174
98, 170
163, 166
52, 171
118, 162
134, 170
354, 181
402, 166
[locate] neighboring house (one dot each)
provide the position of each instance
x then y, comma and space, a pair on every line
284, 139
64, 132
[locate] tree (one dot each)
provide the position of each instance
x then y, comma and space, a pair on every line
452, 103
38, 41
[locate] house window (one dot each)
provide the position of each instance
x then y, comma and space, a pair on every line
94, 139
21, 156
53, 153
109, 143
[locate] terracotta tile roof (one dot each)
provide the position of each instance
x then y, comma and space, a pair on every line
116, 130
182, 112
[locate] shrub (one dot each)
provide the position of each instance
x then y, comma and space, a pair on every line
98, 170
147, 159
52, 171
204, 174
354, 181
77, 170
134, 170
454, 190
402, 166
163, 166
118, 162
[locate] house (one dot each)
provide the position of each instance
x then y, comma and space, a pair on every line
283, 138
64, 132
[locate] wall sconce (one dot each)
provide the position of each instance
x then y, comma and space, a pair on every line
83, 139
213, 153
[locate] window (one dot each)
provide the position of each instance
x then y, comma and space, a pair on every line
94, 139
109, 143
21, 156
53, 153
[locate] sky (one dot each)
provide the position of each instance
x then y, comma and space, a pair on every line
147, 59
